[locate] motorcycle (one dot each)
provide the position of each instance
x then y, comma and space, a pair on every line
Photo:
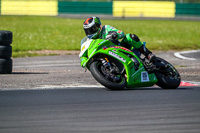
117, 67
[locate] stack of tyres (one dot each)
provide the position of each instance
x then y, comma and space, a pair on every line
5, 52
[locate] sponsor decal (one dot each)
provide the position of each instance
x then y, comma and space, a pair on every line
118, 47
119, 31
83, 48
104, 47
114, 50
144, 76
117, 56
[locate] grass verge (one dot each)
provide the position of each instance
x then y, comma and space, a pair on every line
33, 33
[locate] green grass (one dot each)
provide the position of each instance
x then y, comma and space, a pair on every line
32, 33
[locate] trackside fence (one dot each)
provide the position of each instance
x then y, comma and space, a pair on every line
166, 9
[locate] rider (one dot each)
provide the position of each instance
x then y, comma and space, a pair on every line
94, 30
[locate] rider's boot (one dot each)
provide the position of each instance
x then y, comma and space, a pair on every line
147, 53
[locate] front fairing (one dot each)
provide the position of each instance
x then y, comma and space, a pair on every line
90, 47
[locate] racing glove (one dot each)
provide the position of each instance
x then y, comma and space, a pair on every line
112, 35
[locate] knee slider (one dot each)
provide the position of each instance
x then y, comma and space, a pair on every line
134, 37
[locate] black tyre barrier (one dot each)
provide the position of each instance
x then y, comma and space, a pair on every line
5, 51
5, 37
6, 66
6, 63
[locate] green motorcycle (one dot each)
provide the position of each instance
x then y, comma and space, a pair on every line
117, 67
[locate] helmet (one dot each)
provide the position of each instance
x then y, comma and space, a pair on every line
92, 27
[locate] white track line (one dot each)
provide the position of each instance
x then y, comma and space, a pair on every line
54, 87
68, 86
178, 54
52, 65
47, 62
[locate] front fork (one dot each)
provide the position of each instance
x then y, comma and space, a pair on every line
107, 64
112, 69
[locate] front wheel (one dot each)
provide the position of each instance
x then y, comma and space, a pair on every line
112, 80
168, 77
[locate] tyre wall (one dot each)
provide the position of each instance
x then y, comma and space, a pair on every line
5, 52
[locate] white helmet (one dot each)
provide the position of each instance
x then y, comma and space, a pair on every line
92, 27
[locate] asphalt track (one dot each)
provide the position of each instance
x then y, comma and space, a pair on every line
55, 95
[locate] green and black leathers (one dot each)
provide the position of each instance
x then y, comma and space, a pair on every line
129, 41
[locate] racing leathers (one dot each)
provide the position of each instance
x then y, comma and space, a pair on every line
130, 41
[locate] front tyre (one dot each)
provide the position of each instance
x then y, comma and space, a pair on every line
168, 77
103, 76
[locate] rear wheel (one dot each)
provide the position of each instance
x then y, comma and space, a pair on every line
168, 77
112, 79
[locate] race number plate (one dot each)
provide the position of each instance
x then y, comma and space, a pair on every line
144, 76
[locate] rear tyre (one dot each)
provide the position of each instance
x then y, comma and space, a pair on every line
5, 37
169, 80
6, 66
96, 71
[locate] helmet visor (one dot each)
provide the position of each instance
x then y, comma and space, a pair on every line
92, 30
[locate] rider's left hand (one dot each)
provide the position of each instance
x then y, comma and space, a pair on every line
112, 35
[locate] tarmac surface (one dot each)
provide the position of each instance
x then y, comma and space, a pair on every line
53, 94
96, 110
